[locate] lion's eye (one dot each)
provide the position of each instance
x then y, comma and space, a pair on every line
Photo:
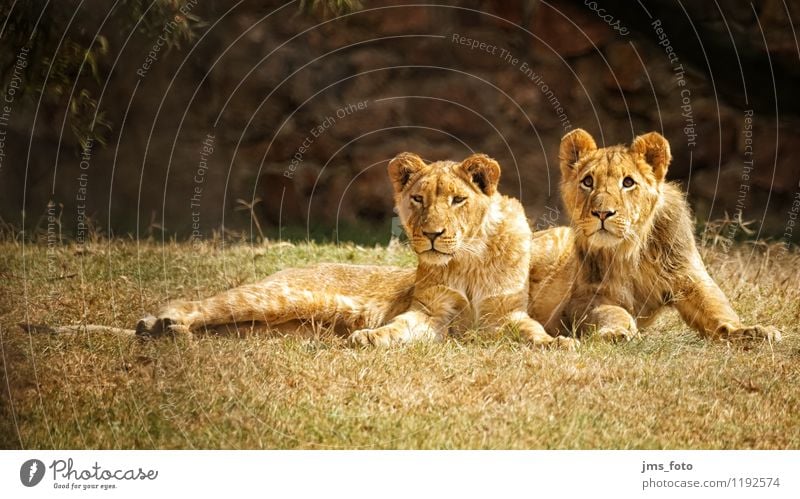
588, 181
628, 182
417, 199
458, 199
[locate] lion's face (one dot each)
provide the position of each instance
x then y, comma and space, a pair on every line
611, 193
443, 205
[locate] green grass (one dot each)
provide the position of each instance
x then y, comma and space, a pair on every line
666, 389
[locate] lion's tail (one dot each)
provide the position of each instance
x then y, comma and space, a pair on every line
31, 328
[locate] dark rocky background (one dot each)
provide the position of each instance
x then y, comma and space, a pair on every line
260, 80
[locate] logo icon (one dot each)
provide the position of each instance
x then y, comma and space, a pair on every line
31, 472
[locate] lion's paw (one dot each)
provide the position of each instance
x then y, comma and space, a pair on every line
146, 325
615, 334
565, 343
168, 321
380, 337
749, 333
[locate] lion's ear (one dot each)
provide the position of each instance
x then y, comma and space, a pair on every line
402, 167
574, 145
482, 171
654, 148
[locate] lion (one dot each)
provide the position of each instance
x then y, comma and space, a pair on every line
630, 251
473, 249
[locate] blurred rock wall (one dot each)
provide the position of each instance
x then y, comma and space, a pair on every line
301, 114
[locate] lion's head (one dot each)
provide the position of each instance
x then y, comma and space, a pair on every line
444, 206
611, 193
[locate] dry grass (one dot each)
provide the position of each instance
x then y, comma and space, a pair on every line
667, 389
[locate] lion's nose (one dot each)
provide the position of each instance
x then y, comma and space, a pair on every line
433, 235
603, 215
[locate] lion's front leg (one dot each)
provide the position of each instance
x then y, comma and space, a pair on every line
508, 312
610, 323
429, 318
533, 332
706, 308
406, 327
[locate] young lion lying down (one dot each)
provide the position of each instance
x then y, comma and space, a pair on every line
473, 247
629, 254
630, 251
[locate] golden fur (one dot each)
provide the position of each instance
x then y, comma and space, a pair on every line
473, 247
630, 250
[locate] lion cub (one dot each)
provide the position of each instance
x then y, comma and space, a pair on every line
473, 247
630, 250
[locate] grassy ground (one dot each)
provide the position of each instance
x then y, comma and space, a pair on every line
667, 389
